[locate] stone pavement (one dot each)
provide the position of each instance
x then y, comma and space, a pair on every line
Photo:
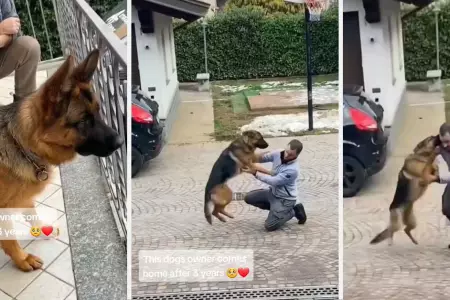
56, 280
404, 270
195, 109
167, 213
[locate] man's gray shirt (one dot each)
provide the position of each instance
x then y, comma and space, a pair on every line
284, 179
7, 9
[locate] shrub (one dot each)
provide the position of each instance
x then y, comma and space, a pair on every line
246, 43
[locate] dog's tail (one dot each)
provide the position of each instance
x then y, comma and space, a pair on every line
380, 237
209, 207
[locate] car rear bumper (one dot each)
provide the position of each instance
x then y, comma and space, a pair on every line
148, 140
154, 147
371, 154
378, 162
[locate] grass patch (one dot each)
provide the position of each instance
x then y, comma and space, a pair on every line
239, 103
232, 110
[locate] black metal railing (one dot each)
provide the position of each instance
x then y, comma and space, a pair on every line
82, 30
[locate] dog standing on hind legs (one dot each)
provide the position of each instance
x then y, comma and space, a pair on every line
238, 155
418, 172
48, 128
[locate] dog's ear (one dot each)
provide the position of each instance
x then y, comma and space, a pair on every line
85, 70
246, 136
60, 82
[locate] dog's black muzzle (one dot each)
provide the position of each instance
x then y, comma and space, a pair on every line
101, 140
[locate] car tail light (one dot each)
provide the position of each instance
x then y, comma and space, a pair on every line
363, 121
140, 115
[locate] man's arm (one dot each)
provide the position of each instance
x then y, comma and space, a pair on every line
5, 40
281, 178
265, 157
444, 173
261, 169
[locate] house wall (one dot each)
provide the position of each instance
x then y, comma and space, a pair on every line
382, 55
157, 62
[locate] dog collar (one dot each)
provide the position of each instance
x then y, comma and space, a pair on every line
41, 172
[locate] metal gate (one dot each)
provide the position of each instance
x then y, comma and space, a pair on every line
82, 30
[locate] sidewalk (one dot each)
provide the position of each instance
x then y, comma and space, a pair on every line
56, 280
403, 270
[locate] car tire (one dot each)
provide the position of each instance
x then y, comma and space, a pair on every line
137, 160
354, 176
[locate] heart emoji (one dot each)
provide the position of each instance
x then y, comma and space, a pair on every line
47, 230
243, 271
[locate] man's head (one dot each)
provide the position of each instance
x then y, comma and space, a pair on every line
293, 150
444, 136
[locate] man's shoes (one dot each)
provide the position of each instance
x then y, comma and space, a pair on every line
300, 213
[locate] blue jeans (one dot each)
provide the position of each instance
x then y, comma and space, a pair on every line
280, 210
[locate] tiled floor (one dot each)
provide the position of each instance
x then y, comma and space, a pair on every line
56, 280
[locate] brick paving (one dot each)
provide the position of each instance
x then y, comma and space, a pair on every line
167, 213
404, 270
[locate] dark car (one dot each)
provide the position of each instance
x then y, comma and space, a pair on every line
146, 130
364, 149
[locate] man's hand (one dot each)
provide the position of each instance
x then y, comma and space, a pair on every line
5, 40
256, 168
249, 170
10, 26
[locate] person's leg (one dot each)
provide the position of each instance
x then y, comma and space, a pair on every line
21, 56
446, 203
259, 198
281, 211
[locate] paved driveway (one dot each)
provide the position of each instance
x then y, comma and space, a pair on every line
404, 270
168, 213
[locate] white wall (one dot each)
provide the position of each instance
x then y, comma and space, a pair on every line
157, 62
383, 62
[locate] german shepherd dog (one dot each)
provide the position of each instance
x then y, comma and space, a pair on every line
418, 171
238, 155
46, 129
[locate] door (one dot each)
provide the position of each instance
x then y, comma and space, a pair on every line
353, 70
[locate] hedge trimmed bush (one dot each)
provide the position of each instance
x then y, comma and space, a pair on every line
419, 34
246, 43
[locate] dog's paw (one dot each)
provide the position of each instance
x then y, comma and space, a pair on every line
30, 263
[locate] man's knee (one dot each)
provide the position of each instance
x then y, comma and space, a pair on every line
30, 46
273, 225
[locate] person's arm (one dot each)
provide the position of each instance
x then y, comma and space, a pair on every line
281, 178
261, 169
5, 40
444, 173
265, 157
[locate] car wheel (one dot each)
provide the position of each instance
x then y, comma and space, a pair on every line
354, 176
137, 160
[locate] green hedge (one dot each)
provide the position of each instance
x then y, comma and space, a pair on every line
419, 35
246, 43
100, 6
